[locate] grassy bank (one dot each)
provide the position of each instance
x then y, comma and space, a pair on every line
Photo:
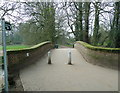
15, 47
70, 45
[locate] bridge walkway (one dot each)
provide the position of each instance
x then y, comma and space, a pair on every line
59, 76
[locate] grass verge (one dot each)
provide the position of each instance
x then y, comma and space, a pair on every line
15, 47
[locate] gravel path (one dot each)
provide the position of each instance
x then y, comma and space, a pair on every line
81, 76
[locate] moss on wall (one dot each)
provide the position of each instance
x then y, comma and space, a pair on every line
96, 48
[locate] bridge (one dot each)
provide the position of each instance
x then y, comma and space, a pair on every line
37, 75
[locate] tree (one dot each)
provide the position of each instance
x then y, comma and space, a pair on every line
86, 29
114, 40
96, 23
9, 9
41, 26
78, 23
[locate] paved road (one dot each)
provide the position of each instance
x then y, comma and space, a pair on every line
81, 76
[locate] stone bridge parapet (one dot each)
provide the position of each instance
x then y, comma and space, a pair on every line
17, 59
106, 57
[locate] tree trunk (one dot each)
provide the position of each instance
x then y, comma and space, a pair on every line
114, 40
86, 30
117, 25
96, 25
80, 22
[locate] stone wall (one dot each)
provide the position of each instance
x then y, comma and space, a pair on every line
101, 57
18, 59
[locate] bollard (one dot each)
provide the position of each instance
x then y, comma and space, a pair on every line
69, 60
49, 58
73, 45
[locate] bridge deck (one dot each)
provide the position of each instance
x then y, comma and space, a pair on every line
81, 76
